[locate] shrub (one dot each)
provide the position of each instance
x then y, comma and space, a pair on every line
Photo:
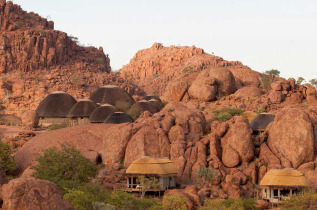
300, 80
226, 114
20, 24
7, 162
230, 204
307, 199
66, 167
261, 109
189, 69
149, 183
206, 175
313, 82
267, 78
56, 126
87, 197
173, 202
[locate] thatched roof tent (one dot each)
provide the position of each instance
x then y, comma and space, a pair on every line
111, 94
152, 166
142, 106
156, 103
149, 97
284, 177
83, 108
261, 121
118, 118
101, 113
57, 104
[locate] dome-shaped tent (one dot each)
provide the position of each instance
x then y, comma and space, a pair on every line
118, 118
83, 108
149, 97
261, 121
111, 94
55, 105
101, 113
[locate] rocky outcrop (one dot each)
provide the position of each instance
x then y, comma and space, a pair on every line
291, 136
30, 193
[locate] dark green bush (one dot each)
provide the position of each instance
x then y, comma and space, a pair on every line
66, 167
306, 199
173, 202
226, 114
7, 162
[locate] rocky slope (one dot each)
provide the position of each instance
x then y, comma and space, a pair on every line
153, 68
35, 60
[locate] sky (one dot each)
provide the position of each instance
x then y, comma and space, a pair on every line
262, 34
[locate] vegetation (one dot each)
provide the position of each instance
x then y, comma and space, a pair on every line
76, 79
230, 204
66, 167
300, 80
313, 82
206, 175
7, 162
149, 183
261, 109
267, 78
173, 202
226, 114
20, 24
306, 199
134, 112
189, 69
56, 126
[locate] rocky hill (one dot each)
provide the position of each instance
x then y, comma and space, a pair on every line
153, 68
35, 59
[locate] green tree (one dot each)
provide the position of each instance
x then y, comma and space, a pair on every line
7, 161
174, 202
230, 204
206, 175
273, 73
307, 199
66, 167
267, 78
148, 184
313, 82
226, 114
300, 80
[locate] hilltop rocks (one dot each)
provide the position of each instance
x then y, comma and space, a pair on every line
30, 193
291, 136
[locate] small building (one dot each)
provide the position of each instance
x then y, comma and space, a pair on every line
114, 95
54, 108
101, 113
279, 184
260, 123
161, 168
81, 111
118, 118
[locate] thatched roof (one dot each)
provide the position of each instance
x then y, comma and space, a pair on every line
118, 118
101, 113
111, 94
284, 177
56, 104
83, 108
152, 166
261, 121
142, 106
149, 97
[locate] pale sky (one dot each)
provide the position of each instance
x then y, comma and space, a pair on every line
262, 34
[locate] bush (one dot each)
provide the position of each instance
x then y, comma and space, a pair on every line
300, 80
66, 167
87, 197
313, 82
306, 199
267, 78
56, 126
173, 202
206, 175
226, 114
7, 162
230, 204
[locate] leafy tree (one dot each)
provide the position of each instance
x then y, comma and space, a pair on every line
226, 114
66, 167
206, 175
267, 78
300, 80
230, 204
148, 184
306, 199
173, 202
313, 82
7, 162
273, 73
